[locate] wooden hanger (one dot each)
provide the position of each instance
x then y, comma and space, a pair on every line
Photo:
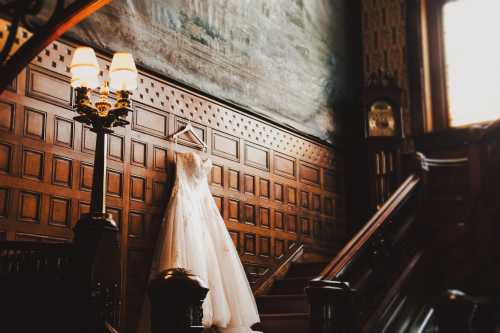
189, 128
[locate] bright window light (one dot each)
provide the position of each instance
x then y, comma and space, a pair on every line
471, 29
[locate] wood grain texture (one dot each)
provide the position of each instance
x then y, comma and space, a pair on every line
46, 173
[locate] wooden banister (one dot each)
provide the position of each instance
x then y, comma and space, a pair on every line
280, 269
79, 280
380, 264
335, 268
445, 162
491, 132
377, 280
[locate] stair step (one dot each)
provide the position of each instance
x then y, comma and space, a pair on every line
285, 323
288, 286
305, 269
282, 304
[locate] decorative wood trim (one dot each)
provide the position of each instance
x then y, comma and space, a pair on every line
337, 265
28, 126
223, 151
71, 15
7, 116
139, 116
71, 123
305, 176
252, 160
54, 177
280, 167
47, 86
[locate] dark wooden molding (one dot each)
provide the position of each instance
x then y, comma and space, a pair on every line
258, 199
427, 66
415, 66
62, 20
349, 252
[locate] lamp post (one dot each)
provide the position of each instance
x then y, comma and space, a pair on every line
96, 233
101, 116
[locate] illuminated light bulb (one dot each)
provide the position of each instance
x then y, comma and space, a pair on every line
84, 68
123, 73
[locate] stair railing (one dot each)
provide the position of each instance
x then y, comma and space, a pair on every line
49, 287
332, 295
360, 285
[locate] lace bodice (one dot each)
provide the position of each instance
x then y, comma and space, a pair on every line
192, 170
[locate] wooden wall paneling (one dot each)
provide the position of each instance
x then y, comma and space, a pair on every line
256, 156
64, 132
274, 188
4, 203
226, 146
285, 166
265, 217
35, 123
7, 116
264, 188
150, 121
30, 207
60, 212
217, 175
138, 153
6, 155
309, 174
46, 85
186, 139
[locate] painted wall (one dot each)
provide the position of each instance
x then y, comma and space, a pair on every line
286, 59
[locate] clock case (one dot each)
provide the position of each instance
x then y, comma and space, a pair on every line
383, 87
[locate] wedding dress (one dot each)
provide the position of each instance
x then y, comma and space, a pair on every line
193, 236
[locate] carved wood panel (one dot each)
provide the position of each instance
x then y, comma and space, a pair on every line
273, 187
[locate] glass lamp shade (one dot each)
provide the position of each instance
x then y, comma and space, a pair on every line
84, 68
123, 73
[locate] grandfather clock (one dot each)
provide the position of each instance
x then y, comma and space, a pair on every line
384, 134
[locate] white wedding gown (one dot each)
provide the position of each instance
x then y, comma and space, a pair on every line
193, 236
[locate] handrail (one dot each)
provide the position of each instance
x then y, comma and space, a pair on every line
346, 255
266, 281
427, 162
491, 131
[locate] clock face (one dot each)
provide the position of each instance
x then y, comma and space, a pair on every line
381, 120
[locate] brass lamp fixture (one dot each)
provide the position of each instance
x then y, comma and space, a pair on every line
102, 116
96, 233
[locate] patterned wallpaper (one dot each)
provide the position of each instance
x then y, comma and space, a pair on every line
384, 43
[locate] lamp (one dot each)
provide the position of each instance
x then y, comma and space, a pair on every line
101, 116
84, 68
123, 73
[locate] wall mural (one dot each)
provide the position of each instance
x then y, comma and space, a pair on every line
283, 59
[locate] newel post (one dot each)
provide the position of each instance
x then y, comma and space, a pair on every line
332, 309
176, 298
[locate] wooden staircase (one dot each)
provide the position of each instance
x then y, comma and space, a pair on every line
285, 307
